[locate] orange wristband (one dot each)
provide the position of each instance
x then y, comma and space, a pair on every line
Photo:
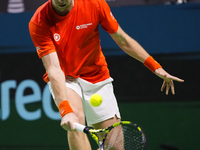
151, 64
64, 108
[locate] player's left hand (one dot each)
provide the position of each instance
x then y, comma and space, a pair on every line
168, 80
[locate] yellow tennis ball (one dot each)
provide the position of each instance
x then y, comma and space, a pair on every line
96, 100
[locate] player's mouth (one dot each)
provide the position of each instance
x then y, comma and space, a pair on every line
62, 5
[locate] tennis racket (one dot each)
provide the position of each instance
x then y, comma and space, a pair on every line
123, 135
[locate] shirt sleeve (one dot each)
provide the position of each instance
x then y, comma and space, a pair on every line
107, 20
41, 39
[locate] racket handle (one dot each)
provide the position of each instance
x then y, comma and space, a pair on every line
79, 127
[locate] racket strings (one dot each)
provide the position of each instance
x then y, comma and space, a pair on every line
133, 138
124, 137
114, 139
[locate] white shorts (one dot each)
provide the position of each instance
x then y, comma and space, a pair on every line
85, 89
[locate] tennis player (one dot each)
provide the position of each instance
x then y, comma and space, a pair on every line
66, 36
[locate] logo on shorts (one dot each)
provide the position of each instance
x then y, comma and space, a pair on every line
56, 37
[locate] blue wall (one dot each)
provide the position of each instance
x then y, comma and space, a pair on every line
158, 28
161, 28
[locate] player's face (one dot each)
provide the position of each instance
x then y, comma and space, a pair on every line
61, 5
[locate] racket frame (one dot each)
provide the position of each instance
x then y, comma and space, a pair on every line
93, 132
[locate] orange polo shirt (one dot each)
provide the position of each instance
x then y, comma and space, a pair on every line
75, 37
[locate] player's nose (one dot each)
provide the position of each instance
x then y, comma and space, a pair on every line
61, 1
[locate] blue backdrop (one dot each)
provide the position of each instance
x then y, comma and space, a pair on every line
159, 29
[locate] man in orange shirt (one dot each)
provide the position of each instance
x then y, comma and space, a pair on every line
66, 36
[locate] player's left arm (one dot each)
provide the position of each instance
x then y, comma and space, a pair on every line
135, 50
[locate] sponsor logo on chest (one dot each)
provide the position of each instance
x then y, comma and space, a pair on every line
57, 36
83, 26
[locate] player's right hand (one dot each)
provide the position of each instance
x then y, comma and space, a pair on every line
67, 122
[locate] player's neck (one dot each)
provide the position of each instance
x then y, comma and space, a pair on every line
66, 11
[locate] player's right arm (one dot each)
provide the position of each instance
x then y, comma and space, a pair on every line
56, 76
57, 79
41, 38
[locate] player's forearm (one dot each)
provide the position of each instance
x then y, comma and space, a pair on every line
129, 45
57, 80
134, 49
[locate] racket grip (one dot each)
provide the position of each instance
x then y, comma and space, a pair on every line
79, 127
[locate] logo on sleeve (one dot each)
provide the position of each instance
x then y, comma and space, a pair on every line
56, 37
112, 16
